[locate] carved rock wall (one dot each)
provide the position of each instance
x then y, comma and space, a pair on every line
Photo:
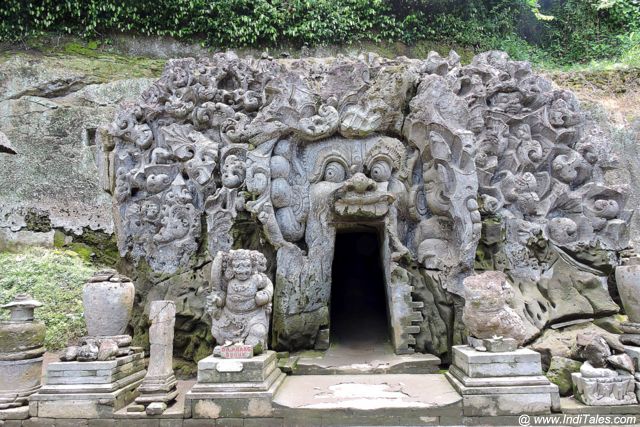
458, 168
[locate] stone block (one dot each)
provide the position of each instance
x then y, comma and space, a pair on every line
19, 413
217, 370
263, 422
604, 391
101, 423
76, 422
506, 404
38, 422
230, 422
476, 364
175, 422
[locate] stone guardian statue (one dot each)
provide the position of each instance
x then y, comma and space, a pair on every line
240, 300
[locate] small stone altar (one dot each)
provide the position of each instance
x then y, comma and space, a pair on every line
102, 375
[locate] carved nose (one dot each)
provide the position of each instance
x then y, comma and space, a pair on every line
360, 183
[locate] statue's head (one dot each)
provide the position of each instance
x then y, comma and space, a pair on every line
241, 264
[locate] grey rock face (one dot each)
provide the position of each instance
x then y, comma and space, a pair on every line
49, 112
428, 154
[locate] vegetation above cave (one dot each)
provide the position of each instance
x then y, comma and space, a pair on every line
557, 32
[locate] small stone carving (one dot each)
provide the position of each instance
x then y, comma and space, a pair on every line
159, 385
240, 299
486, 311
21, 350
604, 379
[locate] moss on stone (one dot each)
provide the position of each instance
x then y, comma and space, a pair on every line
93, 246
37, 221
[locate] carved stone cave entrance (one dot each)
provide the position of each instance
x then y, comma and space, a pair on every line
358, 305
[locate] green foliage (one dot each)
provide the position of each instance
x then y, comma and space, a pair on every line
54, 278
564, 31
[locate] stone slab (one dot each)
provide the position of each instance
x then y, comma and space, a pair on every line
497, 381
392, 396
101, 376
506, 404
96, 365
476, 364
89, 388
341, 359
464, 390
218, 370
571, 405
202, 402
99, 405
20, 413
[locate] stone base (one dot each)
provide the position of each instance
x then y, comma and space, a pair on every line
501, 383
604, 391
88, 389
234, 388
21, 413
23, 378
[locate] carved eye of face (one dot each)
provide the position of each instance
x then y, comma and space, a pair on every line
334, 172
380, 171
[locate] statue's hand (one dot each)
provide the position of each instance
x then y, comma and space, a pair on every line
213, 302
262, 298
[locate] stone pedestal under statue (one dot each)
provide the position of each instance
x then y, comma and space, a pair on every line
234, 388
501, 383
89, 389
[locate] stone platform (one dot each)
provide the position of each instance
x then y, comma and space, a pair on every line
501, 383
88, 389
395, 399
343, 359
234, 388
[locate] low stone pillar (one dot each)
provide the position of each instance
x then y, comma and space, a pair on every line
21, 350
158, 388
101, 376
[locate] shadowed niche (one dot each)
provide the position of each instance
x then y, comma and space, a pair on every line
358, 302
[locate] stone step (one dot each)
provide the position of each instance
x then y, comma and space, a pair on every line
342, 360
400, 399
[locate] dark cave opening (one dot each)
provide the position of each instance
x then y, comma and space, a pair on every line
358, 298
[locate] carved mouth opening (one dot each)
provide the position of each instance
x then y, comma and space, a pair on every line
358, 301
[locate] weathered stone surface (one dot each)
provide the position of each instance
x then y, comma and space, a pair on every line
21, 350
563, 342
603, 391
159, 385
49, 111
108, 301
486, 311
628, 282
560, 371
302, 148
476, 364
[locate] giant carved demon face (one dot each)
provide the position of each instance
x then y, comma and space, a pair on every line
357, 173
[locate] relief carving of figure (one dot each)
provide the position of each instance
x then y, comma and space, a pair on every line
240, 299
